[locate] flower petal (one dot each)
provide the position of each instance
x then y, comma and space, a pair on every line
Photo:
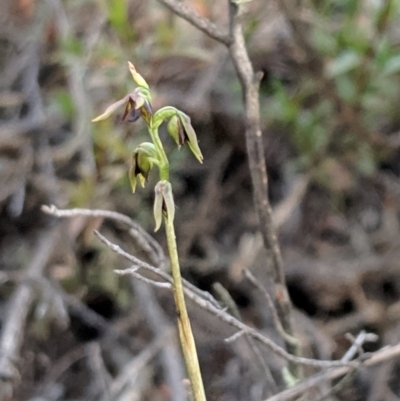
132, 178
191, 136
168, 200
110, 109
133, 115
137, 77
158, 205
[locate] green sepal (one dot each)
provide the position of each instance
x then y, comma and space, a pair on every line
149, 150
144, 92
132, 178
175, 129
157, 208
140, 81
190, 136
143, 158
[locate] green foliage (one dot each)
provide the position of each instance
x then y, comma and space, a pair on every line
61, 104
117, 12
354, 96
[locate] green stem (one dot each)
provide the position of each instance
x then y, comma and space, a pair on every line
185, 330
184, 327
164, 164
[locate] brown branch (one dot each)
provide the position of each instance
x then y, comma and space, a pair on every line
204, 24
255, 149
258, 170
107, 214
82, 140
158, 252
271, 386
131, 379
275, 317
220, 313
316, 380
132, 271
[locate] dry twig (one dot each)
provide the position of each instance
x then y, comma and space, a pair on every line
203, 299
205, 25
316, 380
275, 317
82, 140
18, 308
170, 355
255, 149
270, 384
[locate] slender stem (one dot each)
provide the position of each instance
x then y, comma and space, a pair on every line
164, 163
184, 327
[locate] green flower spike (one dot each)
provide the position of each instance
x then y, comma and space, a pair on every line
143, 158
163, 203
181, 130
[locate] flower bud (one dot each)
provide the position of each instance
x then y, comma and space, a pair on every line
163, 203
190, 136
175, 129
143, 158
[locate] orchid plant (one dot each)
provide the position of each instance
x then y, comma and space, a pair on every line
145, 157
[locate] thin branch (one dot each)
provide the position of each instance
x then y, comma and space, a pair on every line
131, 377
204, 24
136, 229
220, 313
235, 337
17, 313
235, 42
87, 315
82, 141
170, 357
378, 357
133, 272
258, 170
203, 299
270, 384
361, 339
59, 367
101, 377
341, 384
355, 348
117, 249
275, 317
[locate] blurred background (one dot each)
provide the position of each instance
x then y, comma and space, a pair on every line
330, 98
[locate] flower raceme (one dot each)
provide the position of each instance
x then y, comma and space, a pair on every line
138, 104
